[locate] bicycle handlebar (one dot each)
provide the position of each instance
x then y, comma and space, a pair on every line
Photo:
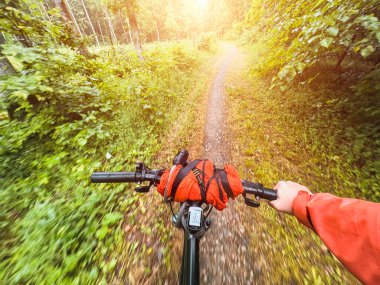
119, 177
154, 176
258, 190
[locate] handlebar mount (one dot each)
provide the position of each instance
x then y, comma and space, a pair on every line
192, 217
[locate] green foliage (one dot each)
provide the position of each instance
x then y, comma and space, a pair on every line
184, 58
207, 42
66, 112
341, 157
369, 85
310, 114
332, 47
328, 141
304, 34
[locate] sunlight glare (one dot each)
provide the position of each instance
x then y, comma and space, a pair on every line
202, 3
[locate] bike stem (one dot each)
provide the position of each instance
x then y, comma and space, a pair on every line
194, 223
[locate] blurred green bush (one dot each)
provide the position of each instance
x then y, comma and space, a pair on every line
206, 42
62, 113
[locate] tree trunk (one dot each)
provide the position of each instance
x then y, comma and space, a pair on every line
89, 20
113, 35
38, 4
131, 14
46, 13
343, 55
124, 31
130, 33
70, 20
100, 28
6, 67
158, 32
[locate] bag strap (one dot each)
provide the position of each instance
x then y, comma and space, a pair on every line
217, 178
203, 171
182, 173
226, 186
166, 198
197, 174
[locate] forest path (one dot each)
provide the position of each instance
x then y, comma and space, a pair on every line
225, 256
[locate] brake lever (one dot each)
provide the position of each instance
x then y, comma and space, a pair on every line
249, 202
141, 169
142, 189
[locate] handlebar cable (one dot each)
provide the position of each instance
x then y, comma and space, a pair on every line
171, 208
209, 211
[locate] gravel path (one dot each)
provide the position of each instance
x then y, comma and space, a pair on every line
226, 257
215, 145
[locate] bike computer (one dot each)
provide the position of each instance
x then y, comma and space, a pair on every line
194, 221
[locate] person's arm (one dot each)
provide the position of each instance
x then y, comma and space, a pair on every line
350, 228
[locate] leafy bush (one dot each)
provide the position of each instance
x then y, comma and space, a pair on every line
326, 140
184, 58
67, 112
310, 114
304, 34
206, 42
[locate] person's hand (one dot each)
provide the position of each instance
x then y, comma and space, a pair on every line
286, 192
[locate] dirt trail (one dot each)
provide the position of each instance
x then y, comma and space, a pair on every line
215, 145
226, 257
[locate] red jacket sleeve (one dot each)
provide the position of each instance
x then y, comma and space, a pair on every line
350, 228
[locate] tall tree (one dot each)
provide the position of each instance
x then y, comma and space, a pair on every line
71, 22
129, 31
89, 21
5, 66
125, 35
172, 28
132, 8
110, 26
100, 27
151, 15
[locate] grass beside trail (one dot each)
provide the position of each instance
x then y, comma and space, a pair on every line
311, 135
56, 227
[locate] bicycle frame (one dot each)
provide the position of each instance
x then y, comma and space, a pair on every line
186, 220
190, 260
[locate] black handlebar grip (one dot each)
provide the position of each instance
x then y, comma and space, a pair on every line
269, 194
181, 157
258, 190
109, 177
